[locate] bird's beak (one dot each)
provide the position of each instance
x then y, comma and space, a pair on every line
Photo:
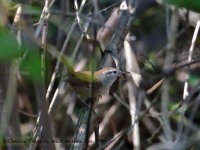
123, 74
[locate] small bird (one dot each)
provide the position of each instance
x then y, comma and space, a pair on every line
80, 81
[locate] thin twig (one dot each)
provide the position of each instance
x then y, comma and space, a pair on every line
133, 66
132, 102
116, 42
171, 36
75, 51
193, 112
61, 53
27, 114
9, 99
44, 41
44, 120
185, 92
79, 20
44, 16
108, 114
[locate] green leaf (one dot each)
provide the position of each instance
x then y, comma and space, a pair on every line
173, 106
31, 65
8, 45
188, 4
194, 79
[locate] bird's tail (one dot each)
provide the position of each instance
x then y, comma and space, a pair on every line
69, 67
63, 59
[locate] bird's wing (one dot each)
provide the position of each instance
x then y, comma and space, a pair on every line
83, 79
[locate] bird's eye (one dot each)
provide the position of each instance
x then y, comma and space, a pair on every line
114, 72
